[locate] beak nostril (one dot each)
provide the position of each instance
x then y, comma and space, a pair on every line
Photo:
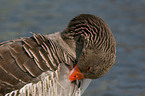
74, 76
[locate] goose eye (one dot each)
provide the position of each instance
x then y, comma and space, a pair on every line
88, 68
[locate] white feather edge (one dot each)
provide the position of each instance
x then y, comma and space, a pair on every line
52, 84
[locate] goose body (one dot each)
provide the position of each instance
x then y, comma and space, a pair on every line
44, 65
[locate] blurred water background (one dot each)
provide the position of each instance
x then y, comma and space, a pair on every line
126, 19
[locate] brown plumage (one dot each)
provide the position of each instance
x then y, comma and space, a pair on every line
95, 42
87, 42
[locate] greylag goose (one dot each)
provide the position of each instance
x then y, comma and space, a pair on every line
59, 64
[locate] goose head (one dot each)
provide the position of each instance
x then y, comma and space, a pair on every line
95, 46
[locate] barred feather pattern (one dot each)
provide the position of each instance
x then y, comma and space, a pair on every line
95, 32
24, 59
49, 85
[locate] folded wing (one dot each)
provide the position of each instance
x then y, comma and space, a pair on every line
24, 59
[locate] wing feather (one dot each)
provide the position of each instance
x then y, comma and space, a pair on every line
24, 59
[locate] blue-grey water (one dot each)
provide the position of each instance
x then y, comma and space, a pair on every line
126, 19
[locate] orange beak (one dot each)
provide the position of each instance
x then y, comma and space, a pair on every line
75, 74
